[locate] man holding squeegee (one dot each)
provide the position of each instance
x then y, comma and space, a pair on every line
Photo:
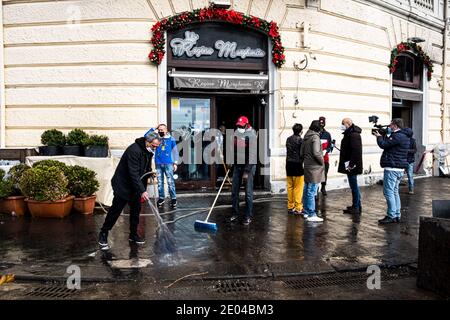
244, 167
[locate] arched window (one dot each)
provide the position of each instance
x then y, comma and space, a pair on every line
408, 72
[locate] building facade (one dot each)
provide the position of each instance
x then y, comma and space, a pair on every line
84, 64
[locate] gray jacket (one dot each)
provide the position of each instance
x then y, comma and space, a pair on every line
312, 157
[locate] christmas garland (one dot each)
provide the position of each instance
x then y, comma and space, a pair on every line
183, 19
411, 46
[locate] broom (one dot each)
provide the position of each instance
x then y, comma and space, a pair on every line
200, 225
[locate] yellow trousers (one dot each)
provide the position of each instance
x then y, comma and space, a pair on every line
295, 192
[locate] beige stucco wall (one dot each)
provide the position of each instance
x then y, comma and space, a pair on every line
84, 64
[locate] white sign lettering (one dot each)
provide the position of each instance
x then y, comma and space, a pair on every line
226, 49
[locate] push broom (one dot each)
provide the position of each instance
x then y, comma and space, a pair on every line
201, 225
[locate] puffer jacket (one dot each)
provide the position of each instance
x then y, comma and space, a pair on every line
412, 148
312, 157
294, 166
351, 150
396, 147
134, 162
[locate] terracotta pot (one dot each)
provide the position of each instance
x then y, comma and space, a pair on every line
15, 204
50, 209
84, 205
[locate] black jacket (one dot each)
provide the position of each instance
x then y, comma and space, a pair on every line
245, 148
135, 161
294, 167
351, 150
396, 147
412, 148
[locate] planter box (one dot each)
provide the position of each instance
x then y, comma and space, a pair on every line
84, 205
15, 204
73, 150
96, 151
50, 209
50, 151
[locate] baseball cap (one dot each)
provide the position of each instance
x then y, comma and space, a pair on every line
242, 121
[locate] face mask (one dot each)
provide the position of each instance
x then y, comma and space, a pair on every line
150, 149
241, 130
342, 127
161, 134
389, 130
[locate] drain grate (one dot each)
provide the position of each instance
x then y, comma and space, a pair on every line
347, 279
49, 292
233, 286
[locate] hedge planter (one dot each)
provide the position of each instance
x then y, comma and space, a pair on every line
73, 150
96, 151
50, 151
14, 205
84, 205
50, 209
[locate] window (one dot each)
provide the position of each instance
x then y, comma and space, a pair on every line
408, 71
425, 4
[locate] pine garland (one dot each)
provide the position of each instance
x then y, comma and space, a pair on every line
414, 47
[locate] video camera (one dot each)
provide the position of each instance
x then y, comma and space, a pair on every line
378, 127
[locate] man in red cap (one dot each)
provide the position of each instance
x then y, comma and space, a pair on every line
325, 139
244, 167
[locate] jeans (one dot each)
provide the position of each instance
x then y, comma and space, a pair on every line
356, 194
309, 201
410, 172
238, 171
391, 182
116, 209
167, 170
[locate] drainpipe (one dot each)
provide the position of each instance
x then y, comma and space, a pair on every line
2, 84
444, 77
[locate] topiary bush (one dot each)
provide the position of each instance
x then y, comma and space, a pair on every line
82, 181
50, 163
76, 137
15, 173
44, 184
53, 137
96, 140
6, 186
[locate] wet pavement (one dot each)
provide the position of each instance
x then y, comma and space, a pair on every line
274, 246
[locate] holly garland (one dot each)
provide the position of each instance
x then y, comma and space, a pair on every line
183, 19
414, 47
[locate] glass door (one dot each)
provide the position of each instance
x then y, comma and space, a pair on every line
189, 119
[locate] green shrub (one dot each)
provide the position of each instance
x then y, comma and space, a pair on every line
53, 137
44, 184
15, 173
6, 188
82, 181
96, 140
76, 137
50, 163
2, 174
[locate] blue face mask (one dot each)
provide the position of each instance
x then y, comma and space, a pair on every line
389, 130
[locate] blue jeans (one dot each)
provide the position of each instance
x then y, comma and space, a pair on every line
356, 194
391, 182
309, 201
410, 173
238, 171
167, 170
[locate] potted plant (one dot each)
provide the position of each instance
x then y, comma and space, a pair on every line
96, 146
46, 190
53, 141
83, 185
12, 200
74, 142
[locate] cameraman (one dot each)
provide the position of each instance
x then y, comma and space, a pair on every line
394, 160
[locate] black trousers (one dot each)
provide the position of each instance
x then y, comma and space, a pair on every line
327, 167
116, 209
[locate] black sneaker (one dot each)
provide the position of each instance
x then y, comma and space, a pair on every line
246, 221
103, 240
173, 203
387, 220
324, 192
136, 239
352, 210
160, 202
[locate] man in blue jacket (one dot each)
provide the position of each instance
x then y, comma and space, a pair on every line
394, 160
166, 160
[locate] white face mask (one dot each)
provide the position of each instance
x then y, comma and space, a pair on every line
150, 149
342, 127
241, 130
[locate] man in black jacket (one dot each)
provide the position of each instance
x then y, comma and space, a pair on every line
325, 140
130, 186
350, 161
411, 158
394, 160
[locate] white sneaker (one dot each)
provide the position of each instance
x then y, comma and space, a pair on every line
314, 219
305, 215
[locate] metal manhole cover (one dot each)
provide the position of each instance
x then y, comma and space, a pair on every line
233, 286
347, 279
49, 292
